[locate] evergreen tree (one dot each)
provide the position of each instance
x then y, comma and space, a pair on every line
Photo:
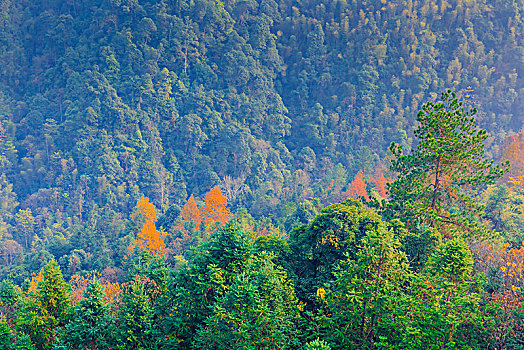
331, 237
92, 326
198, 284
432, 181
136, 328
47, 308
258, 310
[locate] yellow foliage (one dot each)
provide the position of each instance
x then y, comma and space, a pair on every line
321, 293
146, 209
35, 279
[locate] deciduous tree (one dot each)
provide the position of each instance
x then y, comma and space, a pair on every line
190, 212
149, 238
357, 188
215, 208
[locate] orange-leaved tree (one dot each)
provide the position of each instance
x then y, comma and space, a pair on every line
357, 188
380, 182
513, 150
35, 279
149, 238
190, 212
215, 208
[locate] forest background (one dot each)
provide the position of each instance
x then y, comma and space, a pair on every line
267, 111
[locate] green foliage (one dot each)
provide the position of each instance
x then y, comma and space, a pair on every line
449, 158
503, 211
92, 326
257, 311
47, 308
229, 295
453, 260
303, 214
278, 247
276, 102
367, 286
136, 316
262, 98
8, 341
419, 245
377, 302
6, 338
10, 296
317, 344
7, 198
332, 236
198, 284
151, 266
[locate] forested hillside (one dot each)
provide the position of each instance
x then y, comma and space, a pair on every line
106, 100
189, 163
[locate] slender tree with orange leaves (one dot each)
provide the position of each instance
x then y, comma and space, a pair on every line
149, 238
380, 183
381, 186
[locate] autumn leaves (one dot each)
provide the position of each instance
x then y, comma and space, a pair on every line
214, 209
513, 150
149, 238
152, 239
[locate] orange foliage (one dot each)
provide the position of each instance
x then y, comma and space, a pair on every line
380, 182
357, 188
112, 291
78, 287
146, 209
143, 284
509, 263
149, 237
215, 208
513, 150
190, 212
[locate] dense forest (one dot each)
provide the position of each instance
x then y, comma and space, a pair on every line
261, 174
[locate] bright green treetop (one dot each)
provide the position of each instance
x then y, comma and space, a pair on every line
47, 308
